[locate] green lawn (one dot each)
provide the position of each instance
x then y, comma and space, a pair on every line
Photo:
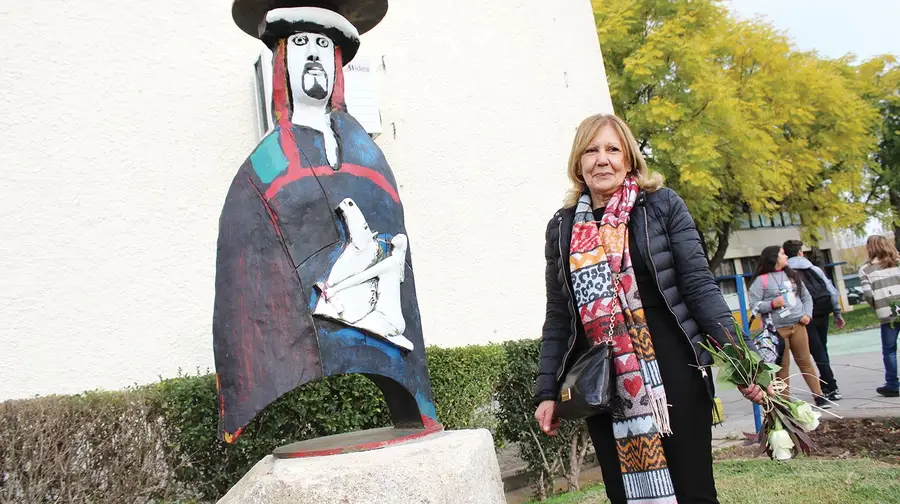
762, 481
863, 317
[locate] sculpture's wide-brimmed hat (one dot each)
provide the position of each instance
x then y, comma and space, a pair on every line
362, 14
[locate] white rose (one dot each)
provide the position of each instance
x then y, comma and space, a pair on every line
808, 418
781, 444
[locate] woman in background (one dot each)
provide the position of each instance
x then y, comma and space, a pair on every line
880, 277
777, 289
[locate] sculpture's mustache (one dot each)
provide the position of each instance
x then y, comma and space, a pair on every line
314, 67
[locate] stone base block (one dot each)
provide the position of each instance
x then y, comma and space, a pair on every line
451, 467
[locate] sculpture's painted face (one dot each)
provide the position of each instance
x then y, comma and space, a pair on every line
310, 65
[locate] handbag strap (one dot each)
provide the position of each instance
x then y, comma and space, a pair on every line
612, 314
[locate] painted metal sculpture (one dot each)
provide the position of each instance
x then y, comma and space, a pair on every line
313, 273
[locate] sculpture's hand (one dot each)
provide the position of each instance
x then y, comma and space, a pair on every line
322, 289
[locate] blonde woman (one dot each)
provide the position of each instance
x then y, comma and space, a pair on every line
880, 277
624, 261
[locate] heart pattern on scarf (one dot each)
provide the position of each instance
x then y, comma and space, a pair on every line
628, 362
633, 385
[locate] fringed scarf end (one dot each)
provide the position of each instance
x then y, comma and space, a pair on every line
661, 416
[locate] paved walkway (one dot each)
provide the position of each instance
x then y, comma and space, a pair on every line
856, 362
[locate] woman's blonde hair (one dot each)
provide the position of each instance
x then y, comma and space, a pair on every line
883, 250
587, 130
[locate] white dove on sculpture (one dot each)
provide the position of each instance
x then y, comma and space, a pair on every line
361, 290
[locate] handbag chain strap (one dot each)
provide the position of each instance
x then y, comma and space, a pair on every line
615, 301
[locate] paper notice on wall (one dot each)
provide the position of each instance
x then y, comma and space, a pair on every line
360, 93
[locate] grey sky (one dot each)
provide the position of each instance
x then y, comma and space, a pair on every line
832, 27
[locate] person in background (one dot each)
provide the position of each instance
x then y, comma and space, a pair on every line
825, 302
777, 289
880, 278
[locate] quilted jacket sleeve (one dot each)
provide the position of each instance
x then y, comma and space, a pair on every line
695, 280
557, 320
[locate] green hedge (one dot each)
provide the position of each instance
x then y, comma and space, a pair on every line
159, 441
545, 457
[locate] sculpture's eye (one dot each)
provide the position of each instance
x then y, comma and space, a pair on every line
300, 40
322, 41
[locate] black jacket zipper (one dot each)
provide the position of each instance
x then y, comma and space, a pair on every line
572, 328
656, 274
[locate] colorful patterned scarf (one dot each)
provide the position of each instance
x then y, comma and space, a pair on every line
607, 297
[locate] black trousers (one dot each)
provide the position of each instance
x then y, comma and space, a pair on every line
823, 360
688, 450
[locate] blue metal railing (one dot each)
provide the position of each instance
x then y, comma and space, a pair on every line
745, 323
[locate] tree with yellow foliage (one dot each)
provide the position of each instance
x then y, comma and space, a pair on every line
734, 118
879, 82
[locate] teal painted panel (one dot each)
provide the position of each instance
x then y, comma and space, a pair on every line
268, 160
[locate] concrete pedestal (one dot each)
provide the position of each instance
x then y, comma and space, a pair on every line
451, 467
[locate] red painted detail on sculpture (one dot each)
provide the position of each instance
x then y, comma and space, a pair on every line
337, 93
272, 218
221, 397
435, 428
293, 174
430, 423
244, 357
280, 104
231, 438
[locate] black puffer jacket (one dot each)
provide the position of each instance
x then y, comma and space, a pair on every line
668, 241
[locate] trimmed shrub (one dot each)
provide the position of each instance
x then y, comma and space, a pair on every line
464, 380
332, 405
546, 457
92, 447
159, 441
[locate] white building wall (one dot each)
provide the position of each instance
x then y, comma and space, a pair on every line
122, 125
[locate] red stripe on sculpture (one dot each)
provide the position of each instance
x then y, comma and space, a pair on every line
294, 174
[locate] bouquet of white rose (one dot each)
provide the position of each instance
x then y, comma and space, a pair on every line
786, 421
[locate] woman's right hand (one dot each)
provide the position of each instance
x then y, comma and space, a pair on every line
778, 302
545, 414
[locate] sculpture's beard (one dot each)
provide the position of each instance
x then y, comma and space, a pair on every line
314, 81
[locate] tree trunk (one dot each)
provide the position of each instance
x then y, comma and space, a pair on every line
577, 451
894, 196
542, 488
574, 467
723, 234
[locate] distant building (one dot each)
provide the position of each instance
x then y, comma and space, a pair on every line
754, 233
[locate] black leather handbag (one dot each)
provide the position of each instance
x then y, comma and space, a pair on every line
589, 387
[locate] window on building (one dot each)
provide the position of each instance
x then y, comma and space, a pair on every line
750, 220
820, 258
726, 269
749, 264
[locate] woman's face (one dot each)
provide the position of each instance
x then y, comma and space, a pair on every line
603, 163
782, 260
